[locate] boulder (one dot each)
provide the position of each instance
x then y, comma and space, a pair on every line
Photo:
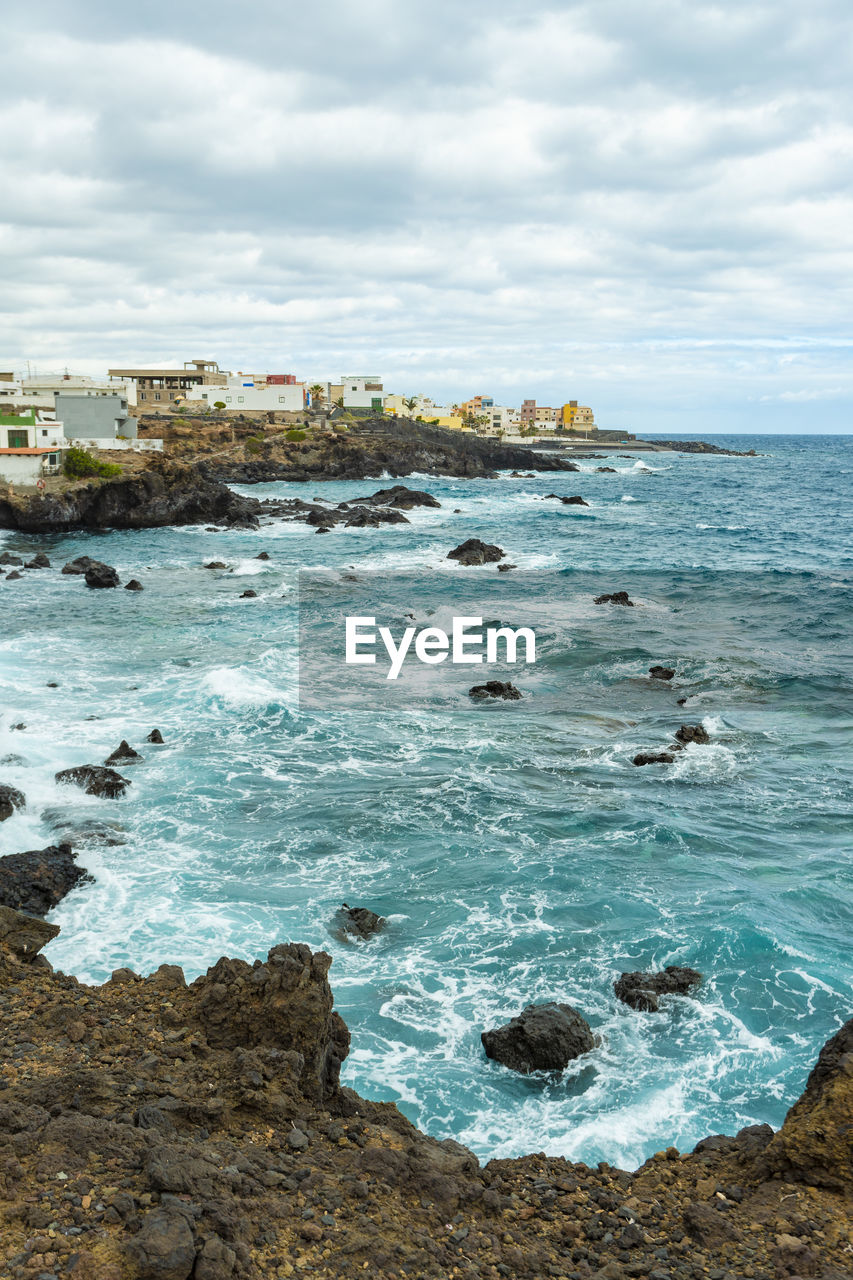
216, 564
124, 754
248, 595
13, 575
24, 935
133, 585
10, 800
99, 575
653, 757
37, 880
262, 555
155, 736
370, 518
358, 921
39, 561
612, 470
615, 597
661, 673
576, 501
475, 552
8, 558
78, 566
163, 1248
505, 568
494, 689
643, 990
398, 496
95, 780
544, 1037
692, 733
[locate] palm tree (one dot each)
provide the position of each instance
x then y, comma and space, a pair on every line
410, 404
317, 394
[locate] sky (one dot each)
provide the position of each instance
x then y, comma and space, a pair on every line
644, 207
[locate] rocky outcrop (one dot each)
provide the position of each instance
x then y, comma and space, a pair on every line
99, 576
155, 736
23, 936
643, 990
96, 780
653, 757
662, 673
474, 552
124, 754
689, 733
36, 881
358, 922
544, 1037
165, 493
615, 597
575, 501
502, 689
10, 800
400, 497
702, 446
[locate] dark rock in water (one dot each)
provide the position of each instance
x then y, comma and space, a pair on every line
475, 552
78, 566
248, 595
51, 684
11, 758
576, 501
24, 935
654, 757
398, 496
19, 725
692, 733
643, 990
371, 518
100, 575
544, 1037
612, 470
36, 881
661, 673
155, 736
681, 701
495, 689
39, 561
615, 597
133, 585
262, 555
505, 568
72, 831
13, 575
216, 564
8, 558
358, 921
124, 754
10, 800
96, 780
324, 528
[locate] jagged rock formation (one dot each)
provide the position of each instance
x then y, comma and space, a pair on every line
37, 880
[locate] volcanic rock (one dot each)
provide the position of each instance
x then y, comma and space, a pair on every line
544, 1037
36, 881
661, 673
10, 800
78, 566
653, 757
13, 575
358, 921
124, 754
692, 733
643, 990
216, 564
475, 552
610, 469
495, 689
99, 576
8, 558
155, 736
369, 518
615, 597
398, 496
95, 780
24, 935
133, 585
248, 595
576, 501
39, 561
262, 555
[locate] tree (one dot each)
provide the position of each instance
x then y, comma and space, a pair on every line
340, 402
411, 404
317, 395
219, 404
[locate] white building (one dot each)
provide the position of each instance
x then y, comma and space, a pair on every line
501, 418
362, 393
30, 448
247, 394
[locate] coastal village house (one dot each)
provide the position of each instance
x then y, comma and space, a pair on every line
363, 393
96, 422
160, 388
30, 447
250, 392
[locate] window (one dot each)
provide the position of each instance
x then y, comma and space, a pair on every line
44, 431
281, 399
156, 395
240, 399
19, 439
227, 399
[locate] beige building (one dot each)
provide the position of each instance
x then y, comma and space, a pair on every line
160, 388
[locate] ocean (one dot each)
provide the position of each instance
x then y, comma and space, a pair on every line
516, 852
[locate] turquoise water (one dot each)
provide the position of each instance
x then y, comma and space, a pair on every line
516, 852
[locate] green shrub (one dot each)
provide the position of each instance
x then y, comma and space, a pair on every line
296, 434
79, 463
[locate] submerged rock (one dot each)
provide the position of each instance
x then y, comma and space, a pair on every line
544, 1037
473, 552
216, 564
248, 595
643, 990
653, 757
358, 921
99, 575
37, 880
692, 733
39, 561
13, 575
615, 597
133, 585
575, 501
612, 470
662, 673
124, 754
8, 558
10, 800
96, 780
495, 689
262, 555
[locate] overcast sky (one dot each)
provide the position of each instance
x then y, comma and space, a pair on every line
645, 206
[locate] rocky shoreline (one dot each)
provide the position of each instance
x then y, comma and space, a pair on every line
163, 1131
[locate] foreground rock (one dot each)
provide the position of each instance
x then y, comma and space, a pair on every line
218, 1104
165, 493
544, 1037
358, 921
36, 881
100, 576
475, 552
643, 990
96, 780
494, 689
10, 800
124, 754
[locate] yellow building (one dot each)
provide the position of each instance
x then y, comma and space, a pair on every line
575, 417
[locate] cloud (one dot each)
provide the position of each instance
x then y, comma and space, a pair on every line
628, 204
